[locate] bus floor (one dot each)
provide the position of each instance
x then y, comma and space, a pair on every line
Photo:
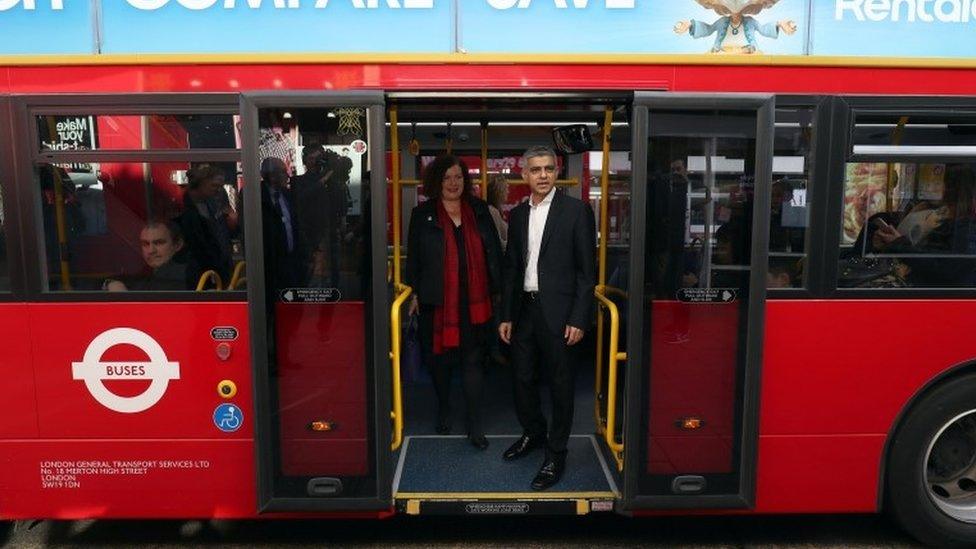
441, 466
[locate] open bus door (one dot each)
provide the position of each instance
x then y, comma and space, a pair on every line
317, 295
695, 297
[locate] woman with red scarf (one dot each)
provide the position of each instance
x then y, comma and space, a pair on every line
454, 266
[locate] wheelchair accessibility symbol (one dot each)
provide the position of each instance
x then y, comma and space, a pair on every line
228, 418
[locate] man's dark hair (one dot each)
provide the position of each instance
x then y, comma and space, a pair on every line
175, 232
434, 176
310, 149
200, 173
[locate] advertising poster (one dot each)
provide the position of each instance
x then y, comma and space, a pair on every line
276, 27
906, 28
635, 26
46, 27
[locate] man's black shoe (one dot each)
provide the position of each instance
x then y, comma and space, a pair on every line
523, 446
550, 472
479, 441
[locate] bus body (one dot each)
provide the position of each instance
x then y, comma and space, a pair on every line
840, 369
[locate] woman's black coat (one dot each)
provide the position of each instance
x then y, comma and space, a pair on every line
425, 251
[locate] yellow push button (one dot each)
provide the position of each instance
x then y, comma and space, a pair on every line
227, 389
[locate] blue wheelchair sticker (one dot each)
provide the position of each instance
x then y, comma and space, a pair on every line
228, 417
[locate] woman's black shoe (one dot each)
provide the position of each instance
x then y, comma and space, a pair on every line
479, 442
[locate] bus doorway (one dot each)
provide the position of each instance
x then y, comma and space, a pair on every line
438, 470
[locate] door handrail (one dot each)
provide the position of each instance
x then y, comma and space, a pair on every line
396, 414
610, 431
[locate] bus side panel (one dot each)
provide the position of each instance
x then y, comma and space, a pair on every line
835, 376
105, 446
19, 398
82, 393
163, 478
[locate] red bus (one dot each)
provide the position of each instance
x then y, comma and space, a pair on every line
847, 386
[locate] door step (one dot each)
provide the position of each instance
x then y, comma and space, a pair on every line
565, 503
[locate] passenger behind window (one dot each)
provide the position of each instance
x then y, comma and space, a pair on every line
784, 272
730, 258
942, 229
285, 264
166, 269
208, 222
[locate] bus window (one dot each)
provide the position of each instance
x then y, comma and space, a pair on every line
908, 224
136, 132
139, 226
789, 218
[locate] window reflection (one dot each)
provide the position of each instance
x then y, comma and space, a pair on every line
139, 226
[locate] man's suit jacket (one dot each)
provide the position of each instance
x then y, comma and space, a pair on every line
284, 269
567, 264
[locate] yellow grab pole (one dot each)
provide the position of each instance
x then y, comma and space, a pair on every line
896, 138
395, 161
610, 433
59, 215
397, 414
604, 228
403, 291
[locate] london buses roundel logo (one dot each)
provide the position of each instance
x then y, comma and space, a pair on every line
159, 370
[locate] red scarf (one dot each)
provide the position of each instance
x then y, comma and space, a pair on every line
447, 325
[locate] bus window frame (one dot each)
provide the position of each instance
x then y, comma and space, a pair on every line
817, 199
12, 220
377, 360
843, 120
24, 110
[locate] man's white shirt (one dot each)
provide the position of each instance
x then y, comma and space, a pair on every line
538, 214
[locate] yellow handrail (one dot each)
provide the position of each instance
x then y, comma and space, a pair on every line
397, 414
604, 236
236, 278
210, 276
609, 434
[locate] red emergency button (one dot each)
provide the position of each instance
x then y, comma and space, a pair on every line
223, 351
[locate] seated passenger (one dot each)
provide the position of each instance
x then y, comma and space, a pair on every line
943, 229
161, 243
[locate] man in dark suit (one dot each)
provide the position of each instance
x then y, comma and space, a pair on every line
284, 265
546, 305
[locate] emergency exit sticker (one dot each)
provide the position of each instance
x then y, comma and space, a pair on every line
707, 295
310, 295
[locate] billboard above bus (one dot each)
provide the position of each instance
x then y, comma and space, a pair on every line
911, 28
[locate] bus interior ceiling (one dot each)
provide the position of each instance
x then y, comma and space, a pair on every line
430, 463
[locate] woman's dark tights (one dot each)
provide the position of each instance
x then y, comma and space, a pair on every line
471, 361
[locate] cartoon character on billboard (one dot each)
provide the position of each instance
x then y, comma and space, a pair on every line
735, 31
